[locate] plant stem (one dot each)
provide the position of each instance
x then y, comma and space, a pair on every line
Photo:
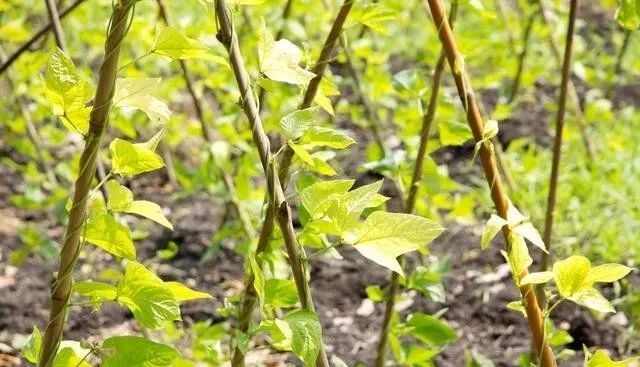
41, 32
54, 18
427, 120
227, 36
522, 56
571, 89
98, 120
557, 143
284, 164
468, 100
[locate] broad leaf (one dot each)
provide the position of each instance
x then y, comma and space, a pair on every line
171, 43
591, 298
66, 357
326, 137
149, 299
279, 60
601, 359
121, 200
104, 231
431, 330
129, 159
296, 123
491, 229
536, 278
96, 291
136, 93
315, 198
134, 351
32, 346
385, 236
518, 257
280, 293
182, 293
570, 275
607, 273
306, 335
149, 210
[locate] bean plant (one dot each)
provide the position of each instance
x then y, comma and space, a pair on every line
314, 133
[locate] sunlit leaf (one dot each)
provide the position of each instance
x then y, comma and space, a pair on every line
135, 351
171, 43
104, 231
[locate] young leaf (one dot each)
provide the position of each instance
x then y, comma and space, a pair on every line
280, 293
518, 257
258, 280
171, 43
104, 231
96, 291
296, 123
129, 159
306, 335
522, 226
536, 278
453, 132
601, 359
431, 330
279, 60
491, 229
32, 346
325, 137
149, 210
591, 298
136, 93
315, 198
385, 236
121, 200
607, 273
67, 357
182, 293
149, 299
134, 351
570, 274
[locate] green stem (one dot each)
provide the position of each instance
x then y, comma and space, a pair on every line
227, 36
571, 89
427, 120
557, 143
98, 120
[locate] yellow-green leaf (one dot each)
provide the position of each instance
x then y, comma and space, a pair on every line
591, 298
171, 43
135, 93
129, 159
104, 231
385, 236
182, 293
607, 273
536, 278
601, 359
280, 60
149, 210
570, 275
491, 229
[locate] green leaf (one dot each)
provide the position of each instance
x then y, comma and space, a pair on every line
149, 210
135, 93
491, 229
306, 334
120, 197
258, 280
601, 359
522, 226
296, 123
104, 231
628, 14
171, 43
121, 200
607, 273
591, 298
325, 137
149, 299
302, 153
66, 357
182, 293
570, 274
32, 346
96, 291
66, 92
536, 278
279, 60
375, 16
518, 257
129, 159
453, 132
134, 351
315, 198
385, 236
431, 330
280, 293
